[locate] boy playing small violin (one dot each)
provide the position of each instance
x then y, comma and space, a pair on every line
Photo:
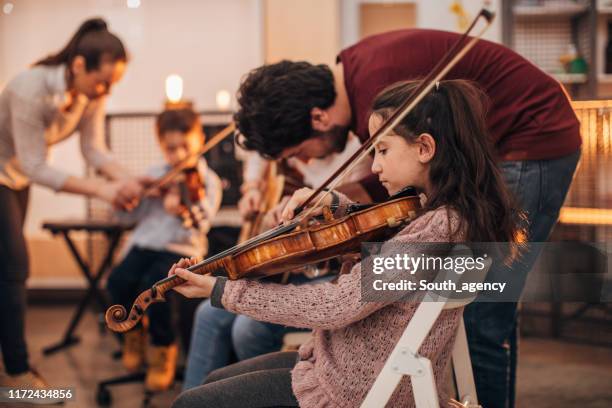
166, 230
441, 149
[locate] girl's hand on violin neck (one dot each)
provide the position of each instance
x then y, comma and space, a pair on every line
297, 199
196, 286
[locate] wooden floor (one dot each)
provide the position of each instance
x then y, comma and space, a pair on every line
551, 373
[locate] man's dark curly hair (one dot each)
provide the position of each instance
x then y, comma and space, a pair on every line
275, 103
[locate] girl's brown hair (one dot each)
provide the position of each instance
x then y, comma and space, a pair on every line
463, 172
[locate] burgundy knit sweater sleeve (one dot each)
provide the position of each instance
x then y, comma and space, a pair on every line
327, 305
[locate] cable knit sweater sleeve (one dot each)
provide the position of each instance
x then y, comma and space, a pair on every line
327, 305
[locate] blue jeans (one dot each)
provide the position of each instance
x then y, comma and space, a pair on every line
217, 333
540, 186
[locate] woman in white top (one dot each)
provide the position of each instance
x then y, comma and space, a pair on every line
58, 96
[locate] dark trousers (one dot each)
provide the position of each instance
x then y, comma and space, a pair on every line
13, 274
138, 271
540, 187
259, 382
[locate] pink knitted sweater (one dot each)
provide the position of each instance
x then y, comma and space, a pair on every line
351, 339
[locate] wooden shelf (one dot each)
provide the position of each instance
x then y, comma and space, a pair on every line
604, 78
570, 78
585, 216
550, 10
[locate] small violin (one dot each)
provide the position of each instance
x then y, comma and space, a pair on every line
192, 191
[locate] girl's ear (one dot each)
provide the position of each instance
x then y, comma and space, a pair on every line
427, 147
78, 65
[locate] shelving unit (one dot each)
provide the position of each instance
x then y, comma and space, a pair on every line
542, 30
571, 78
604, 15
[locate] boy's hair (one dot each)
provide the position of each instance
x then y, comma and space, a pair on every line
275, 103
183, 120
463, 172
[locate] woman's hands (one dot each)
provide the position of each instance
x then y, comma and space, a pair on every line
172, 201
124, 194
195, 285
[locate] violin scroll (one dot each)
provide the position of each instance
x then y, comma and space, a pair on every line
117, 318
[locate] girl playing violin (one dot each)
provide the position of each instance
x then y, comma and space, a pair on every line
441, 149
161, 238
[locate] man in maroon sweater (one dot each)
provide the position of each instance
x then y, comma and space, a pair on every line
304, 110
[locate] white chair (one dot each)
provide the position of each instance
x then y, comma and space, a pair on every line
405, 360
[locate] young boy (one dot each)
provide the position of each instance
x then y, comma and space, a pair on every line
162, 236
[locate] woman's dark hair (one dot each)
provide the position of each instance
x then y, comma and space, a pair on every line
94, 42
182, 120
463, 172
275, 103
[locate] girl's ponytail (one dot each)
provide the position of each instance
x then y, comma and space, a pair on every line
91, 40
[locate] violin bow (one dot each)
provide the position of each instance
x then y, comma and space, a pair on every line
183, 164
450, 59
117, 317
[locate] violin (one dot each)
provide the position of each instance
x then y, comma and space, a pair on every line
183, 166
307, 240
279, 180
286, 248
192, 192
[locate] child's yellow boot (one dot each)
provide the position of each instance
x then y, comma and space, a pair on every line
134, 344
161, 367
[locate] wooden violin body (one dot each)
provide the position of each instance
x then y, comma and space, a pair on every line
294, 246
318, 242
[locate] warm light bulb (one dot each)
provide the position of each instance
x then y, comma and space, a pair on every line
224, 99
7, 8
133, 4
174, 88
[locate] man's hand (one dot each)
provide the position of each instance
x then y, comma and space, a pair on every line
297, 199
273, 217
